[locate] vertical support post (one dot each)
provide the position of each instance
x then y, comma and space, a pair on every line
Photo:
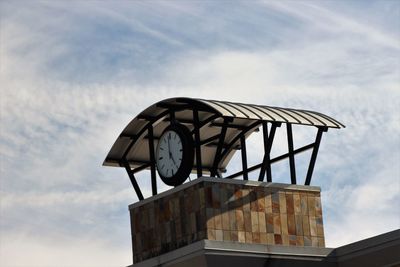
133, 179
244, 157
291, 154
152, 161
197, 142
221, 141
314, 155
268, 139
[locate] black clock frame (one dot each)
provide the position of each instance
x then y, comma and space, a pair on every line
186, 166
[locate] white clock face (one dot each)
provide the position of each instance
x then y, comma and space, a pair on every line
169, 154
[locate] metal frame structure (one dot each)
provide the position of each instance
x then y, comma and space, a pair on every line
219, 129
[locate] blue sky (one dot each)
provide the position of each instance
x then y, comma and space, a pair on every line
73, 74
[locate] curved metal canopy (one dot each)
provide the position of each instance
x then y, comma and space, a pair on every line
210, 116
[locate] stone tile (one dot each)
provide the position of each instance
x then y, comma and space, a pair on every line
239, 220
254, 222
292, 240
261, 222
211, 234
275, 202
299, 225
311, 205
249, 237
232, 220
284, 224
241, 236
247, 221
217, 219
320, 227
215, 191
227, 235
270, 238
202, 198
318, 207
291, 225
256, 238
270, 222
193, 223
268, 202
260, 201
303, 202
313, 226
289, 204
321, 242
210, 218
277, 223
234, 236
278, 239
297, 203
285, 240
307, 241
253, 200
314, 241
225, 220
299, 241
246, 200
219, 236
306, 226
263, 238
282, 202
208, 196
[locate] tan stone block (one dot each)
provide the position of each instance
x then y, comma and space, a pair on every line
299, 241
234, 236
261, 222
270, 239
225, 220
289, 203
318, 206
193, 223
232, 220
277, 239
211, 235
299, 225
202, 198
247, 221
254, 222
277, 223
320, 227
282, 202
260, 201
313, 226
239, 220
291, 225
270, 222
249, 237
321, 242
284, 224
306, 226
292, 240
242, 236
263, 238
303, 202
218, 220
314, 241
307, 241
256, 238
268, 203
311, 205
285, 240
210, 218
297, 203
227, 235
275, 202
219, 235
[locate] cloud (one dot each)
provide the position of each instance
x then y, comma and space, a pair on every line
72, 79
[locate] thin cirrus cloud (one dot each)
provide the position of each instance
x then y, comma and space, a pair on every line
73, 75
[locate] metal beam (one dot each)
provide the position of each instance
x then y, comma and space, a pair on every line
197, 142
152, 161
291, 154
244, 157
314, 155
133, 180
268, 139
218, 156
272, 161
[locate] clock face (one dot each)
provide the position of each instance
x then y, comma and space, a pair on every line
170, 153
175, 154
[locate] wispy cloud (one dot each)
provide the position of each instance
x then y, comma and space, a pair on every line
72, 76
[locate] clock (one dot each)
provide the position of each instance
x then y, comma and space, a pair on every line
175, 154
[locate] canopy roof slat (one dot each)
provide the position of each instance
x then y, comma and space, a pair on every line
131, 143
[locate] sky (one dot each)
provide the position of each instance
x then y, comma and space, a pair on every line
74, 73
